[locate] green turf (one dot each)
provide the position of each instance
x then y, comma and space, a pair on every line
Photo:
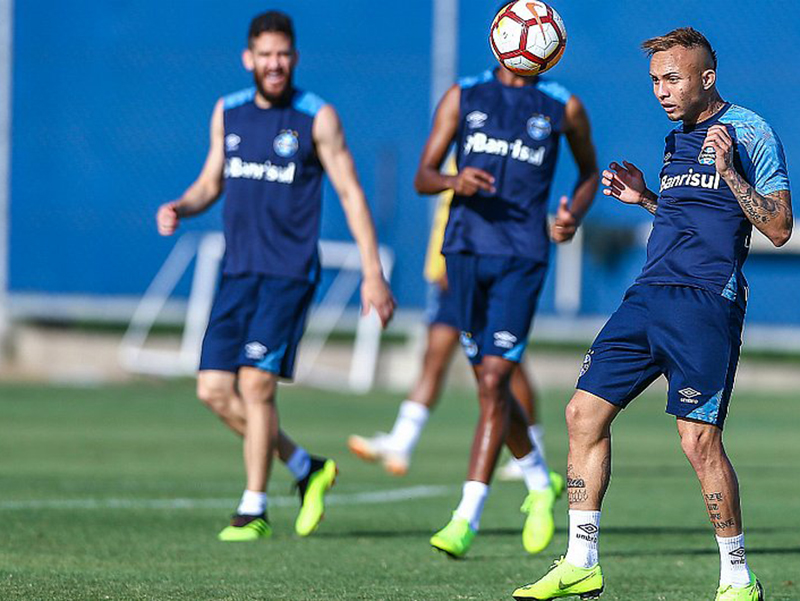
135, 444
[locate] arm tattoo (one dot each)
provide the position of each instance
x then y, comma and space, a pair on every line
760, 210
650, 201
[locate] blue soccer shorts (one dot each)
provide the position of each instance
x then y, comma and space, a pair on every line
495, 299
690, 335
442, 308
256, 321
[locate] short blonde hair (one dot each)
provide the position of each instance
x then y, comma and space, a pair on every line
687, 37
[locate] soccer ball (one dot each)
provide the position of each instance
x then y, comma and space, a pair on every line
528, 37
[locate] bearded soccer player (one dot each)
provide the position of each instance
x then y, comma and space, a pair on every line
724, 172
270, 146
506, 131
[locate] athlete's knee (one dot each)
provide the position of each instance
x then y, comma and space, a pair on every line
492, 381
702, 446
581, 421
214, 395
257, 386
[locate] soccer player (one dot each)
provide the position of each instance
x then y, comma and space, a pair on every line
724, 172
394, 449
270, 145
506, 131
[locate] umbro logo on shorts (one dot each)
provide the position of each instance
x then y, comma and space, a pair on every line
255, 350
688, 396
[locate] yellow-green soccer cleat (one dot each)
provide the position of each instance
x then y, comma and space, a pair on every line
454, 539
564, 580
246, 528
751, 592
321, 477
539, 525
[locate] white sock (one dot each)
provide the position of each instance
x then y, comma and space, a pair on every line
584, 530
252, 503
472, 499
299, 463
536, 434
733, 568
411, 419
534, 470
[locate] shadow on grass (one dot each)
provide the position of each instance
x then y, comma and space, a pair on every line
515, 532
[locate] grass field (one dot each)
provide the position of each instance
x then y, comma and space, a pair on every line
118, 492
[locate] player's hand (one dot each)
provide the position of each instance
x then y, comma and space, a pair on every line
167, 218
565, 224
624, 182
471, 179
720, 140
375, 294
443, 283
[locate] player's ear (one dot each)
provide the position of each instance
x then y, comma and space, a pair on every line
709, 79
295, 57
247, 59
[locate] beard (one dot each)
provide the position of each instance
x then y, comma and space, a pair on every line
280, 98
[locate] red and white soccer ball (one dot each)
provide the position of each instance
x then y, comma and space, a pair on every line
528, 37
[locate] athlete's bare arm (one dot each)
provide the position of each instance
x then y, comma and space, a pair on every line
626, 183
206, 189
579, 137
338, 163
770, 213
429, 179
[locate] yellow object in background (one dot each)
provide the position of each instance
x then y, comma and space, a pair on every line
435, 269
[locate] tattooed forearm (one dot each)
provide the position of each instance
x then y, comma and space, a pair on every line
650, 201
769, 212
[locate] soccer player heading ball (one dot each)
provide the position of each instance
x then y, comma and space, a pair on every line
270, 146
724, 172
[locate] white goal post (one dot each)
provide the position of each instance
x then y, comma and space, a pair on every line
207, 250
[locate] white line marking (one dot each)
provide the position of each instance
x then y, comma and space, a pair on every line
362, 498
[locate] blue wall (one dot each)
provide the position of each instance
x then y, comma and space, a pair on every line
112, 100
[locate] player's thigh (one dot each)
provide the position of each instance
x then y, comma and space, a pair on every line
699, 340
469, 300
256, 385
233, 308
276, 328
619, 365
512, 300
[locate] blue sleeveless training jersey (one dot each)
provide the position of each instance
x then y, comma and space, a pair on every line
512, 133
273, 185
700, 235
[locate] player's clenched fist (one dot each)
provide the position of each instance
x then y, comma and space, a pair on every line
471, 179
565, 224
167, 219
720, 140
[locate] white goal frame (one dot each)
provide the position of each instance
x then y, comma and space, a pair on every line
207, 249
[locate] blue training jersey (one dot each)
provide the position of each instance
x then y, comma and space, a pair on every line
512, 133
700, 235
273, 184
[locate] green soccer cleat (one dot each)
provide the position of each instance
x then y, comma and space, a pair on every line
246, 528
752, 592
564, 580
454, 539
539, 525
321, 477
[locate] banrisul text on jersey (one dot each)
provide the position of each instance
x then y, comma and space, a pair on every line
700, 235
